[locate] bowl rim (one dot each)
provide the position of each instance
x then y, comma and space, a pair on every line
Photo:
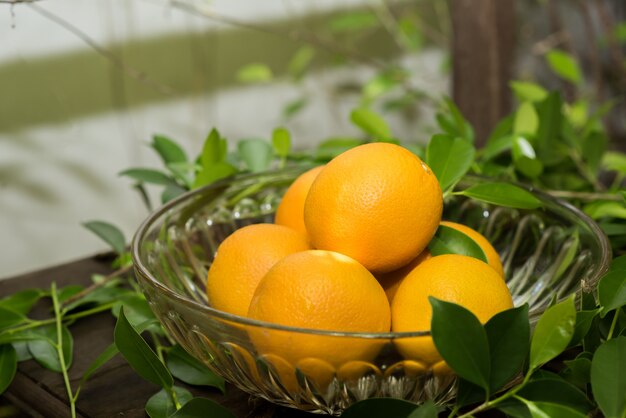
141, 270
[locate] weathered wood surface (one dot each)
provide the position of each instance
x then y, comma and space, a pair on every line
115, 389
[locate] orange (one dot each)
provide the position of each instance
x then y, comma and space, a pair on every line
377, 203
290, 211
242, 260
455, 278
493, 258
391, 281
320, 290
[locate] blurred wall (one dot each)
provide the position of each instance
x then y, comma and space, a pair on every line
72, 117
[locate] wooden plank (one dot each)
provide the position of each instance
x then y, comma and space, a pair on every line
483, 50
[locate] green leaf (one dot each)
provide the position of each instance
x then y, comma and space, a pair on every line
618, 263
332, 147
508, 333
528, 91
10, 318
213, 173
615, 161
281, 141
449, 158
457, 125
69, 291
202, 408
549, 129
525, 159
502, 194
353, 21
139, 354
371, 123
293, 107
496, 146
171, 192
584, 319
605, 209
612, 291
256, 154
100, 361
551, 410
608, 377
578, 371
189, 370
169, 151
526, 119
108, 233
160, 405
380, 407
557, 391
553, 332
136, 309
462, 341
564, 65
148, 175
254, 73
300, 61
8, 366
425, 410
183, 173
44, 351
449, 240
21, 302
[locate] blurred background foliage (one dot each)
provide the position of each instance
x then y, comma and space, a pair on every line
85, 86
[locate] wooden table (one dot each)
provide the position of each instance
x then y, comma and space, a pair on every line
115, 389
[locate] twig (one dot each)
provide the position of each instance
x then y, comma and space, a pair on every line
114, 59
295, 35
97, 285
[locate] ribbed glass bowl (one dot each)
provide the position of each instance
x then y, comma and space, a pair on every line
552, 251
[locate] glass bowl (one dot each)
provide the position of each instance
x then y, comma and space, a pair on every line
549, 252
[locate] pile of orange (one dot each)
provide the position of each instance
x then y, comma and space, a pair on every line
348, 253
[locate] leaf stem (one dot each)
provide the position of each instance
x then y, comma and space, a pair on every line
59, 347
98, 285
613, 323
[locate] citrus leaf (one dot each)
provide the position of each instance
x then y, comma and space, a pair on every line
214, 149
160, 404
496, 146
380, 407
139, 354
10, 318
281, 141
553, 332
44, 351
528, 91
213, 173
558, 391
169, 151
508, 333
254, 73
526, 119
551, 410
202, 408
608, 377
371, 123
584, 319
300, 61
21, 302
148, 175
256, 154
456, 124
605, 209
449, 158
503, 194
618, 263
425, 410
612, 291
189, 370
8, 366
564, 65
108, 233
549, 129
462, 341
449, 240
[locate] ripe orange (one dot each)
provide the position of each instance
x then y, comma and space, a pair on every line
377, 203
493, 258
320, 290
455, 278
391, 281
290, 211
242, 260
